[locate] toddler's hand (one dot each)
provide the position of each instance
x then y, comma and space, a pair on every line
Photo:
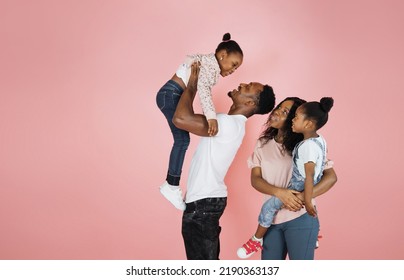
213, 127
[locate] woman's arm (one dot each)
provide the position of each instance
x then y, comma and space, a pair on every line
288, 197
326, 183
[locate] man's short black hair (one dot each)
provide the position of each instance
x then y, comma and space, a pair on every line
266, 101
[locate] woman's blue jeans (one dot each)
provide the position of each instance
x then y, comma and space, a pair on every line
296, 238
167, 100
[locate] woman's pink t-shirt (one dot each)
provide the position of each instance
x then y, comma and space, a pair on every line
276, 169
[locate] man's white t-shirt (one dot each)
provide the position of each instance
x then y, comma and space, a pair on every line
213, 158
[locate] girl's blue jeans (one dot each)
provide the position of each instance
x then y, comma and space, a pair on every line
167, 100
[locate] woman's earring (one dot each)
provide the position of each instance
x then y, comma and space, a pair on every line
221, 58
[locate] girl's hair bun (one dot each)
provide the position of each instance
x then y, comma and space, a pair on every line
226, 37
326, 103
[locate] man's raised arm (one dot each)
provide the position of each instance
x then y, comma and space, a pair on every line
184, 117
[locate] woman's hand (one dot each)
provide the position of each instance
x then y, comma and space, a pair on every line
289, 199
300, 195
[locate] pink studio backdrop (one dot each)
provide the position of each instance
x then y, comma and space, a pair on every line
83, 147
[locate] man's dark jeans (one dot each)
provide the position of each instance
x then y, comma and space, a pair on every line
200, 228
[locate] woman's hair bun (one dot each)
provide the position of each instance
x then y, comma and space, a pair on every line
226, 37
326, 103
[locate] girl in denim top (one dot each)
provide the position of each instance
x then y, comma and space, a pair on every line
223, 62
309, 159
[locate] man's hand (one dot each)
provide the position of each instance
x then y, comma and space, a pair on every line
213, 127
193, 78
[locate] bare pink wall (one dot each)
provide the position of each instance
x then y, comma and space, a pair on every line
83, 146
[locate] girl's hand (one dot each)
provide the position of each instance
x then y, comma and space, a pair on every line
310, 209
289, 199
213, 127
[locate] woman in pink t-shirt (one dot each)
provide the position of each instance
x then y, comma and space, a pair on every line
293, 232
